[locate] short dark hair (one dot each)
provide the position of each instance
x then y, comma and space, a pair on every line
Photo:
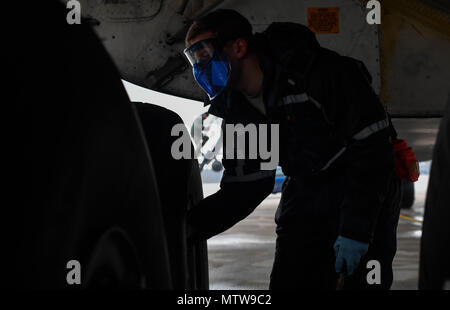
226, 24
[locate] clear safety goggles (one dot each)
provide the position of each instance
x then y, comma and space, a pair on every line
201, 52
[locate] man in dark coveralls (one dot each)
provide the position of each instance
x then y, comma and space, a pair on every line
340, 204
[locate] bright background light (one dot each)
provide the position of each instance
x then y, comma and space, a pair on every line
186, 109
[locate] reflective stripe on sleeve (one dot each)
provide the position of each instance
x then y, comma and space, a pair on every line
259, 175
332, 160
316, 103
371, 129
363, 134
300, 98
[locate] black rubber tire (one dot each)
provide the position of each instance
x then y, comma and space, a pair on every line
408, 195
217, 166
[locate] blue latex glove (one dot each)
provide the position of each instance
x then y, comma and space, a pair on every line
348, 253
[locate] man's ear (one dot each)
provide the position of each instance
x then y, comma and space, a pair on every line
240, 48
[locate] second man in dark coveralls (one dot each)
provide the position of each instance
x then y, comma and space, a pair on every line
339, 205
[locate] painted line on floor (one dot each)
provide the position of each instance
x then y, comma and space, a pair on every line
410, 219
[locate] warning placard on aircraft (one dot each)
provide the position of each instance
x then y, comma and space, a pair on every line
323, 20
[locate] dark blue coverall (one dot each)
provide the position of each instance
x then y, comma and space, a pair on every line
335, 148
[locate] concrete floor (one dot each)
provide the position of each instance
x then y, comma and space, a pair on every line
242, 257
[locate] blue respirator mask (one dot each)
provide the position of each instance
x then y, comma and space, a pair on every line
210, 66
